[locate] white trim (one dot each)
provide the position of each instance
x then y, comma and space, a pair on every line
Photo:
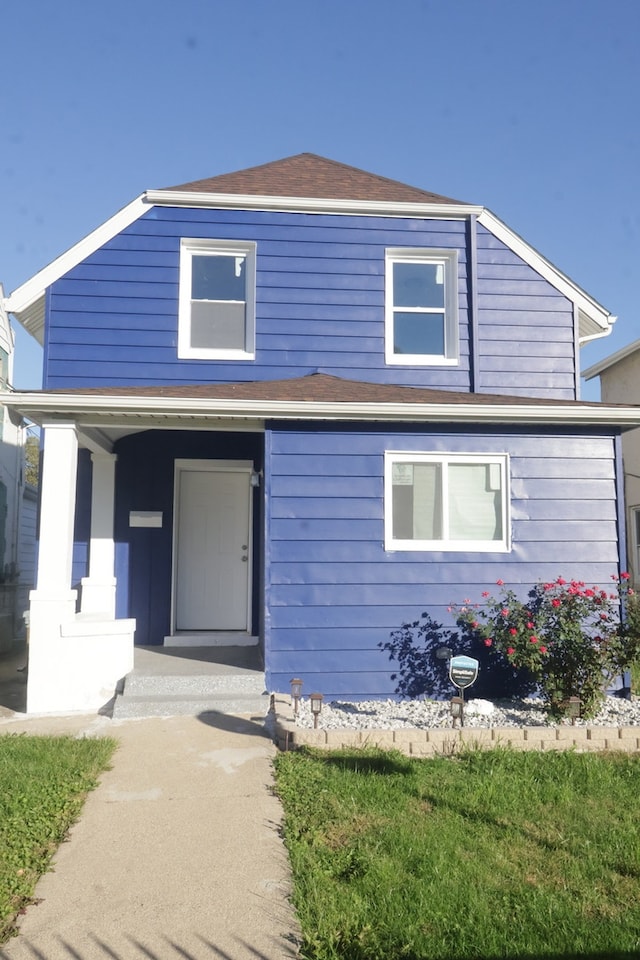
24, 298
446, 544
387, 208
190, 247
181, 466
597, 368
448, 259
599, 321
195, 413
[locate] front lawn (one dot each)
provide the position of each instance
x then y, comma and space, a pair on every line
43, 784
494, 854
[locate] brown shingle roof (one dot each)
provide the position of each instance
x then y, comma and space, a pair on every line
316, 387
308, 175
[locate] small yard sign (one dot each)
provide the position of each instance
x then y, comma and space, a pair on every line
463, 671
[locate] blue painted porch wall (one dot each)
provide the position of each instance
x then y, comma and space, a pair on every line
145, 481
112, 320
333, 592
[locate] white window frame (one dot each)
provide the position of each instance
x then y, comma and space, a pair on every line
501, 460
448, 260
205, 247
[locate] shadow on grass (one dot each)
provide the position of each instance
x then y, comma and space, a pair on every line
361, 761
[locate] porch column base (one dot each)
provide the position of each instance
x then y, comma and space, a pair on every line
75, 660
99, 596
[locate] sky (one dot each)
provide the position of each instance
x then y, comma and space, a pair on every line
529, 109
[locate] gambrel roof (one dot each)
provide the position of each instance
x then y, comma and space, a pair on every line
311, 184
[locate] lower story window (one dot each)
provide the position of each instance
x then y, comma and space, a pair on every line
446, 502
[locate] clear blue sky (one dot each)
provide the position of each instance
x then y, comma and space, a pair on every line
531, 109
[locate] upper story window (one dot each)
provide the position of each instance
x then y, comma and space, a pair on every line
421, 306
217, 300
446, 502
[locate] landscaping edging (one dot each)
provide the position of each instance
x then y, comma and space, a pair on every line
429, 742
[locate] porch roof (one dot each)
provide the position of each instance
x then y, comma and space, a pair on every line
103, 414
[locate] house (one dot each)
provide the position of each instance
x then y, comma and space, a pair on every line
620, 383
297, 405
17, 505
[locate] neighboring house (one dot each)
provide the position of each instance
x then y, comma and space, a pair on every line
620, 383
17, 505
297, 405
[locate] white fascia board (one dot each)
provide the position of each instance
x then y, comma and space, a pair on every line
22, 301
595, 320
179, 198
112, 410
597, 368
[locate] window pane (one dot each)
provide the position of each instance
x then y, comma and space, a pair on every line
218, 278
417, 504
418, 285
218, 326
421, 333
475, 501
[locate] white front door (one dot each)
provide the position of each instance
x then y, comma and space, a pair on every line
212, 556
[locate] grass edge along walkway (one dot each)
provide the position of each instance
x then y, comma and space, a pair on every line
485, 854
44, 781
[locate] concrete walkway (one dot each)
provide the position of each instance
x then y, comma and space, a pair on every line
177, 854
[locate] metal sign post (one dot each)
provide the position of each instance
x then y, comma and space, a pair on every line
463, 671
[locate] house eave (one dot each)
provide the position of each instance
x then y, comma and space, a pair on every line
100, 412
594, 320
597, 368
387, 208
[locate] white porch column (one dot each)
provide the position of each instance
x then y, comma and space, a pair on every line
57, 513
99, 588
53, 602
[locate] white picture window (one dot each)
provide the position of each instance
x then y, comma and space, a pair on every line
446, 502
421, 306
217, 300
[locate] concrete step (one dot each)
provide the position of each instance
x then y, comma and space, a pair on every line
242, 684
126, 707
173, 682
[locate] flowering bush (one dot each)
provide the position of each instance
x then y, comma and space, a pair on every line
569, 637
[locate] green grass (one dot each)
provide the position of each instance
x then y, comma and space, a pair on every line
494, 854
43, 784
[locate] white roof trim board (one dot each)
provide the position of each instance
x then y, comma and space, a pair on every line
99, 409
597, 368
26, 303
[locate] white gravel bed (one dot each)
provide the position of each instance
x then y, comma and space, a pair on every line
395, 714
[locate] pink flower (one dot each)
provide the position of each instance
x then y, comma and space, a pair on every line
542, 649
561, 581
625, 576
504, 612
556, 603
488, 641
475, 624
631, 593
485, 593
533, 639
510, 651
589, 593
530, 626
513, 631
500, 583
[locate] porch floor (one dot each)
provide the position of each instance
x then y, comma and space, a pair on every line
192, 661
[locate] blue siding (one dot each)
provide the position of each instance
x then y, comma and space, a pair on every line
319, 305
334, 593
144, 481
526, 338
